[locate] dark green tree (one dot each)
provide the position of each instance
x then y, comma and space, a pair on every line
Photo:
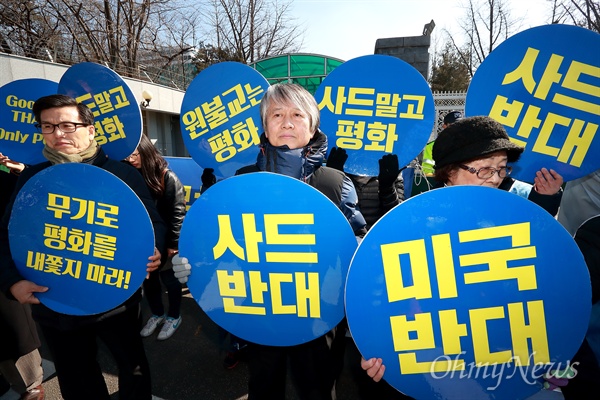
448, 72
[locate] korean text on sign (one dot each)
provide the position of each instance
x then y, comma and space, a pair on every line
236, 284
415, 335
210, 117
366, 102
108, 128
577, 88
74, 240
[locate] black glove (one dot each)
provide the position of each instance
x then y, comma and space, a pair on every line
388, 170
208, 178
337, 158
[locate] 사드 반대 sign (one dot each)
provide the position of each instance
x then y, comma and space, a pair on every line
375, 105
83, 233
543, 85
269, 257
117, 115
468, 291
220, 117
20, 140
189, 173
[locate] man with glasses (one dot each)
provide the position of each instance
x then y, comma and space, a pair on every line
68, 130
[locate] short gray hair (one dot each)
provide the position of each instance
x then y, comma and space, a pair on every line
294, 94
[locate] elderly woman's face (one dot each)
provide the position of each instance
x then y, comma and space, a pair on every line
496, 160
287, 125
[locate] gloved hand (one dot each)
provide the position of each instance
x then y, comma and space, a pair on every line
388, 170
182, 268
555, 379
208, 178
337, 158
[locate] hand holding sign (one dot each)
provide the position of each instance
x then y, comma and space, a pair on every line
88, 245
456, 297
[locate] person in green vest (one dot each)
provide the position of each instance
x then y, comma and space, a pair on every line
428, 163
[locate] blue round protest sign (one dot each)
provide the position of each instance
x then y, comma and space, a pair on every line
83, 233
374, 105
269, 257
542, 84
189, 173
19, 138
117, 115
468, 291
220, 117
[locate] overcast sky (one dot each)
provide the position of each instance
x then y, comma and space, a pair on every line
347, 29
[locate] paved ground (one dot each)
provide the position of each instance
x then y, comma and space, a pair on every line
189, 366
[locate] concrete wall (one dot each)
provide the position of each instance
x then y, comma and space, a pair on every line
412, 49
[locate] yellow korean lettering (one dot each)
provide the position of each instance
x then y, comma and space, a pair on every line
410, 365
530, 121
59, 204
498, 260
275, 237
226, 240
580, 143
233, 284
479, 332
524, 71
275, 281
550, 77
534, 332
257, 287
308, 294
571, 81
396, 288
422, 325
444, 266
35, 260
251, 237
541, 143
452, 331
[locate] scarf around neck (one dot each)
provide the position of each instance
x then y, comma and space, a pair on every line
57, 157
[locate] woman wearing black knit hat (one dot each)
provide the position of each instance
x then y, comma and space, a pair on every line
477, 151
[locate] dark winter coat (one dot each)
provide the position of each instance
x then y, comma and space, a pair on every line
306, 164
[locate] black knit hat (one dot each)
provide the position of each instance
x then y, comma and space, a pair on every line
470, 138
452, 117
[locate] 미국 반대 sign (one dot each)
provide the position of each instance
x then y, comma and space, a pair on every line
83, 233
468, 291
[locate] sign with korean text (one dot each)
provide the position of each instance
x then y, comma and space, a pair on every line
82, 232
269, 257
189, 173
220, 117
117, 115
543, 85
376, 105
19, 138
468, 291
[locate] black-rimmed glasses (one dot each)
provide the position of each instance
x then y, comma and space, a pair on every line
66, 127
488, 172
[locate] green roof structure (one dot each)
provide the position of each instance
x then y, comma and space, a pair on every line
307, 70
